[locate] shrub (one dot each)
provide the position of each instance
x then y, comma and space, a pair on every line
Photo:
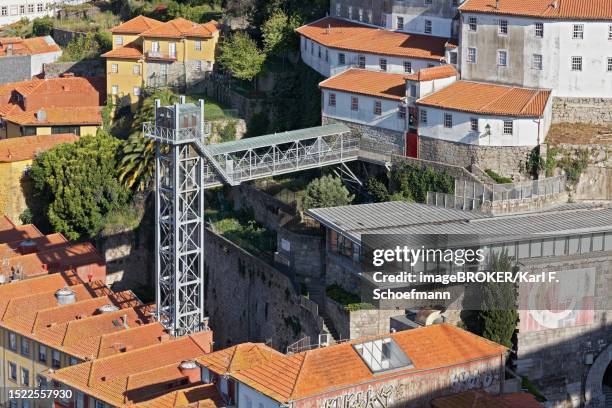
412, 183
327, 191
498, 178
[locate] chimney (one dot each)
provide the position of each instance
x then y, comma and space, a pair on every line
190, 369
27, 247
125, 321
497, 4
65, 296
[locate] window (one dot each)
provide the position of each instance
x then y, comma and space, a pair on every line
30, 8
578, 32
25, 377
360, 13
115, 89
609, 64
198, 45
382, 355
55, 359
100, 404
13, 403
154, 46
423, 116
42, 353
319, 52
326, 55
610, 32
448, 120
172, 50
361, 62
401, 112
474, 124
114, 68
41, 381
473, 24
25, 346
413, 91
576, 63
338, 9
383, 64
428, 27
198, 66
408, 67
12, 367
305, 44
136, 69
354, 103
118, 40
4, 11
350, 12
136, 91
428, 1
453, 58
471, 58
341, 59
503, 27
400, 23
73, 361
508, 127
331, 100
377, 108
539, 30
40, 7
12, 337
537, 62
21, 9
455, 3
502, 58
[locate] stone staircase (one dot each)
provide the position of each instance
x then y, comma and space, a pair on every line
316, 291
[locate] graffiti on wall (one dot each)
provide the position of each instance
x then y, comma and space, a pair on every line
464, 380
379, 398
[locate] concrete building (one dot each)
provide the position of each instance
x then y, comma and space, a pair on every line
563, 45
12, 11
574, 240
16, 156
149, 53
331, 45
52, 106
21, 59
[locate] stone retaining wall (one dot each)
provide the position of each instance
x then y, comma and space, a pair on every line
359, 323
582, 110
86, 68
374, 139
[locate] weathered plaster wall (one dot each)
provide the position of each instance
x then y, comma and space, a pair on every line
12, 198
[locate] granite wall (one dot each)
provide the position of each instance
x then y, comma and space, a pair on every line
582, 110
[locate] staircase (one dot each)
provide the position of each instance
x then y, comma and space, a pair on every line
316, 291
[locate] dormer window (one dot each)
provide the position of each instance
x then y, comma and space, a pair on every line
382, 355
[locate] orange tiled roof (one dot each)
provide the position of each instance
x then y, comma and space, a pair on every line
180, 27
318, 371
137, 25
12, 249
26, 148
371, 83
489, 99
201, 396
565, 9
82, 115
19, 233
345, 35
28, 46
481, 399
58, 86
138, 375
237, 358
433, 73
128, 51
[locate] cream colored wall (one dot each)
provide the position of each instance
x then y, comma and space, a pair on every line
125, 79
207, 53
43, 130
12, 198
127, 38
164, 46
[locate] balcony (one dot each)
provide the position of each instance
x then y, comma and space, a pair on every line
160, 56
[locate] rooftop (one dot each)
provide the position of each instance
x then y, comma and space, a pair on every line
84, 115
139, 375
129, 51
201, 396
347, 35
27, 147
489, 99
54, 87
422, 219
28, 46
317, 371
137, 25
564, 9
370, 83
237, 358
433, 73
180, 28
481, 399
19, 233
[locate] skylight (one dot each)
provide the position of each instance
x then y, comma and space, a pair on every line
382, 355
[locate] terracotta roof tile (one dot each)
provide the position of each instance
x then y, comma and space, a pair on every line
345, 35
84, 115
19, 233
481, 399
565, 9
317, 371
13, 249
237, 358
180, 27
489, 99
59, 86
202, 396
137, 25
433, 73
28, 46
371, 83
128, 51
26, 148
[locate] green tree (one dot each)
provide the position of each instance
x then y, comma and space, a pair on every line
377, 190
81, 47
104, 41
498, 316
278, 33
412, 183
326, 191
241, 56
77, 186
42, 26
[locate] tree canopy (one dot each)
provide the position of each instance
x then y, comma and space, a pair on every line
278, 33
77, 186
326, 191
241, 56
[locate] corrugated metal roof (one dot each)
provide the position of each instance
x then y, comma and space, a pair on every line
277, 138
422, 219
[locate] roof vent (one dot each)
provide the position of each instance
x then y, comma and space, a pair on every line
554, 4
67, 75
27, 247
190, 369
41, 115
65, 296
107, 308
427, 317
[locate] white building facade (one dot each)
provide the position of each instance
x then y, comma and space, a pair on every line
12, 11
571, 57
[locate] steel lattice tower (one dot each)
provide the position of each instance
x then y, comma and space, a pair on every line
179, 223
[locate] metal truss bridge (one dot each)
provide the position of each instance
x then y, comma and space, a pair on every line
186, 165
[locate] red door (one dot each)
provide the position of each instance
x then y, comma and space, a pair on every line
412, 144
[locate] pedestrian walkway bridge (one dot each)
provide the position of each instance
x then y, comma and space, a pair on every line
264, 156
